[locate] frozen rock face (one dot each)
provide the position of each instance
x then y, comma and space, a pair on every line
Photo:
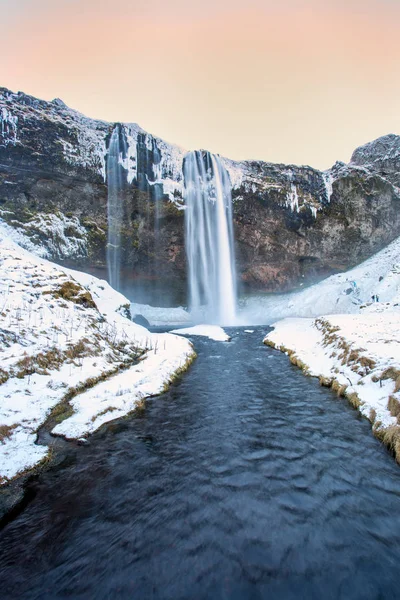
293, 225
381, 156
53, 163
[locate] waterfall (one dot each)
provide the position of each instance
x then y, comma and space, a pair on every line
115, 209
209, 239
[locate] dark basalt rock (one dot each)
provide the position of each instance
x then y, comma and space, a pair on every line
293, 225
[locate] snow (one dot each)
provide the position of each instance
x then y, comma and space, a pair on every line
159, 316
373, 337
237, 171
328, 182
168, 172
51, 235
131, 131
293, 198
8, 124
52, 346
213, 332
171, 168
349, 292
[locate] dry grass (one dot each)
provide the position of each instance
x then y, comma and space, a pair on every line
53, 359
60, 412
354, 399
269, 343
73, 292
41, 363
391, 373
391, 438
6, 431
394, 406
4, 376
109, 409
372, 415
339, 388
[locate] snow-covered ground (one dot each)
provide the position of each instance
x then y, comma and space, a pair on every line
349, 292
213, 332
358, 352
64, 336
159, 316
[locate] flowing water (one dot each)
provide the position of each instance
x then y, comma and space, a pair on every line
209, 239
246, 480
115, 207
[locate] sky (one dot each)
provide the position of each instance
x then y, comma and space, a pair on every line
292, 81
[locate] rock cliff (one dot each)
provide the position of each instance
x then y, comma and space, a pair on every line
292, 224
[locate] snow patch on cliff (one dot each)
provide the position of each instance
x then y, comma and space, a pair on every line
91, 150
131, 130
293, 198
328, 182
171, 170
236, 171
50, 235
8, 124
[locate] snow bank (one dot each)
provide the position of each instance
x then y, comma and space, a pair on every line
213, 332
359, 355
64, 336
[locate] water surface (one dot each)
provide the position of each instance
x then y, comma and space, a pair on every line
245, 480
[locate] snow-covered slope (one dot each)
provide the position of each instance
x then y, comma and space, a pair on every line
65, 342
349, 292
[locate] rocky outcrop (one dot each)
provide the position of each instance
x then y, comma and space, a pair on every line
298, 225
381, 156
292, 224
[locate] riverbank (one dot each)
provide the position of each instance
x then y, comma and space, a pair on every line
69, 352
357, 355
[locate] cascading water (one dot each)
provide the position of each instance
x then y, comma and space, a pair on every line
115, 210
209, 239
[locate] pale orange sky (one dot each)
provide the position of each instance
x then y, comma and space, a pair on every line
301, 81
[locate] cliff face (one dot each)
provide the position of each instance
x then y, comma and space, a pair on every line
299, 225
292, 224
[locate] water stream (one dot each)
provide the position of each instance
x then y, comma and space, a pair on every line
245, 480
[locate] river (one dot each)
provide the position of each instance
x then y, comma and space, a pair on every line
246, 480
